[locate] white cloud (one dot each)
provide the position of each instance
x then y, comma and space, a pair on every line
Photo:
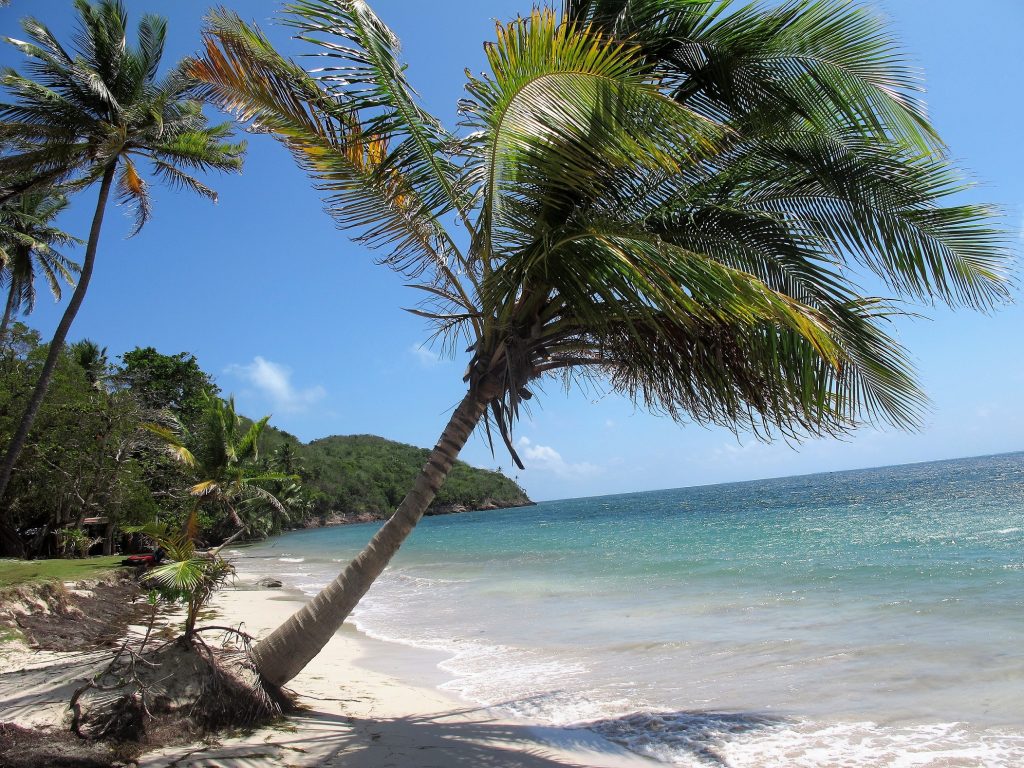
275, 382
546, 459
427, 358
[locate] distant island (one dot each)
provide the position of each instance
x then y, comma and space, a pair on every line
361, 478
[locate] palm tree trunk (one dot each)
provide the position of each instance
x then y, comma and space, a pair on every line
8, 310
57, 343
285, 652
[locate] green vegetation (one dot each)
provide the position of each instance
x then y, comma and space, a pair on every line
220, 458
148, 440
365, 474
14, 573
188, 577
95, 112
28, 244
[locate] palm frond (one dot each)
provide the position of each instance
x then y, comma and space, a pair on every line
378, 158
204, 488
832, 62
74, 112
566, 111
248, 446
173, 442
134, 192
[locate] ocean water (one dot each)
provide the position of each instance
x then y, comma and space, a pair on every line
865, 618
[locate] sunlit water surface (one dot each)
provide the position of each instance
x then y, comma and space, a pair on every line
867, 618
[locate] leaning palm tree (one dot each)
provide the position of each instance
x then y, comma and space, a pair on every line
29, 239
93, 115
669, 197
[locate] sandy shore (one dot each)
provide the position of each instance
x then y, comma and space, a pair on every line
359, 717
365, 704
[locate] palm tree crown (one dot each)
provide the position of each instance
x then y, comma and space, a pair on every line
223, 457
29, 242
104, 104
671, 197
663, 195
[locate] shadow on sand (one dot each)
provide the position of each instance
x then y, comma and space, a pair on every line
463, 739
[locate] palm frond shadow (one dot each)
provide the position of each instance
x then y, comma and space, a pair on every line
461, 739
701, 734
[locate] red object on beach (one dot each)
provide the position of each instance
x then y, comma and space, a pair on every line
146, 560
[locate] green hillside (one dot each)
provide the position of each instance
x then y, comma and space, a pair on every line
366, 475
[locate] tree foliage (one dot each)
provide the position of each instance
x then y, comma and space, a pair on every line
88, 456
29, 242
82, 458
168, 382
370, 475
98, 110
668, 198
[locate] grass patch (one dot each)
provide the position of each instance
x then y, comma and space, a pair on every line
16, 572
10, 635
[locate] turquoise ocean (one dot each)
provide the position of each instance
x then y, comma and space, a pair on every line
864, 618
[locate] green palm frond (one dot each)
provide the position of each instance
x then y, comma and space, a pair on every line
29, 241
354, 126
566, 111
367, 76
73, 113
830, 62
222, 458
191, 578
254, 491
248, 446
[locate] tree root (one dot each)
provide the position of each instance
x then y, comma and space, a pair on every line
198, 685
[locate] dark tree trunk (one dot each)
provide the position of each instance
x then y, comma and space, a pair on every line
17, 443
11, 544
8, 311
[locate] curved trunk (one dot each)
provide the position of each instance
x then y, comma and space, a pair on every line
57, 343
283, 654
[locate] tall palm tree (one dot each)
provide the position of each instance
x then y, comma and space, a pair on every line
669, 197
91, 115
29, 240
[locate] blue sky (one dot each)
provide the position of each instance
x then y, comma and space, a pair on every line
298, 322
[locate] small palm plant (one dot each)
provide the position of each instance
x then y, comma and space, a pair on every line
97, 113
189, 577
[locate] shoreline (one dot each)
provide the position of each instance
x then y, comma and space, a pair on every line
356, 518
367, 702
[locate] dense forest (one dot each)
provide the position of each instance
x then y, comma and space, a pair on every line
148, 439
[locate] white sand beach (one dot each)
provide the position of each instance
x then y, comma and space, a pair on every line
350, 715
